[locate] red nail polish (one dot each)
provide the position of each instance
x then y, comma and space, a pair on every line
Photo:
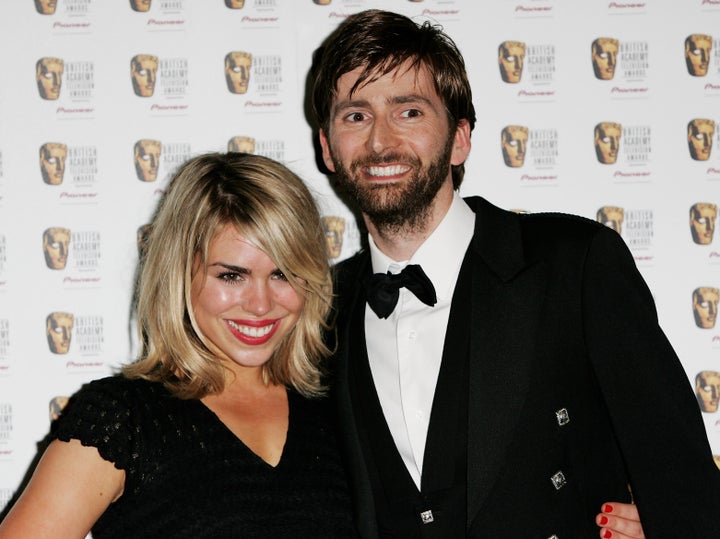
607, 534
603, 520
608, 509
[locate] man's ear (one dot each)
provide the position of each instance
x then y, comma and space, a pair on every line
461, 144
325, 145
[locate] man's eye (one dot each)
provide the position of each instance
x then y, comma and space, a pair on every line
356, 117
411, 113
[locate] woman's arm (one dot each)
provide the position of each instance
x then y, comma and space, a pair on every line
71, 487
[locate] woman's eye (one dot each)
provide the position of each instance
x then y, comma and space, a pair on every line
230, 277
279, 275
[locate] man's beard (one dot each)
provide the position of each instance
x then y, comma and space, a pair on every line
396, 207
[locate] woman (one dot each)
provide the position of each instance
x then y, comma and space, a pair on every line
214, 431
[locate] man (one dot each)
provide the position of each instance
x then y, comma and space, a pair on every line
510, 407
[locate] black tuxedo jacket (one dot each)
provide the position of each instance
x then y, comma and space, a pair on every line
574, 390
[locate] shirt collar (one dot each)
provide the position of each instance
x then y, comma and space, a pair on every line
441, 254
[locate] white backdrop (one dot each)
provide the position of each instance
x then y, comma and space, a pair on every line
95, 202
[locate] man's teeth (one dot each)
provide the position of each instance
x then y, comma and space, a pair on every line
386, 171
251, 331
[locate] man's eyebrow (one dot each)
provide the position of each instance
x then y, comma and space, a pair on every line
393, 100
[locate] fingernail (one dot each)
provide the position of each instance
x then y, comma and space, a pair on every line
607, 534
603, 520
608, 508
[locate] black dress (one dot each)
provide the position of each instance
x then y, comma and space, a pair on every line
188, 475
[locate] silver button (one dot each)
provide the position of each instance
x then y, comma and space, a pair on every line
553, 536
558, 480
563, 417
427, 517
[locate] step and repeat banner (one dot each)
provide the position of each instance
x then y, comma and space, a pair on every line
607, 109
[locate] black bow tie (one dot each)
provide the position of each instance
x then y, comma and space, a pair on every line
383, 289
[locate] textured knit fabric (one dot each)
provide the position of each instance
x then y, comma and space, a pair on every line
188, 475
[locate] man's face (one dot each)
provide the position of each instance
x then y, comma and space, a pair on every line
237, 71
147, 159
59, 331
702, 222
604, 57
143, 69
241, 144
700, 138
511, 55
514, 145
49, 77
56, 244
45, 7
140, 5
52, 162
334, 228
707, 389
705, 306
391, 146
607, 142
612, 217
697, 54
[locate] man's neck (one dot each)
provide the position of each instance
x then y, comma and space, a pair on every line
400, 243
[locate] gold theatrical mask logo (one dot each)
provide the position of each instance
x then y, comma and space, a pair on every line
58, 328
235, 4
604, 57
697, 54
716, 459
707, 390
702, 222
513, 140
511, 56
147, 159
241, 144
52, 162
700, 133
46, 7
705, 306
48, 73
237, 71
56, 245
56, 406
140, 5
334, 228
607, 142
143, 72
322, 2
611, 217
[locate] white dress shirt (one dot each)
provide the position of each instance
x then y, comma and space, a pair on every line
405, 349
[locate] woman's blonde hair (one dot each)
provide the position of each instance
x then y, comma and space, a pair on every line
273, 209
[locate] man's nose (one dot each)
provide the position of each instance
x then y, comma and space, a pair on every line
382, 136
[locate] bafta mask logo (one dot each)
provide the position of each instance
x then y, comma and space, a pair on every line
707, 390
235, 4
143, 235
511, 55
513, 140
607, 142
700, 133
56, 244
604, 57
237, 71
143, 71
697, 54
322, 2
147, 159
716, 459
56, 406
46, 7
48, 73
241, 144
334, 228
611, 217
702, 222
140, 5
52, 162
59, 327
705, 306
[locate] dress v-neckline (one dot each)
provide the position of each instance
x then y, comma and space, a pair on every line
239, 440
